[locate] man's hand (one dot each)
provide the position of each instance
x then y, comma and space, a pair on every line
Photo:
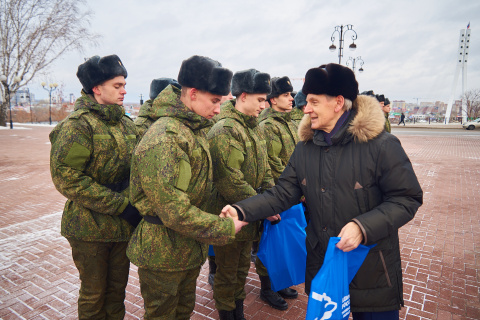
229, 211
276, 218
351, 236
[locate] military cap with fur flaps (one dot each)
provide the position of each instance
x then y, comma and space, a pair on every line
205, 74
380, 97
159, 84
250, 81
300, 99
97, 70
331, 79
280, 86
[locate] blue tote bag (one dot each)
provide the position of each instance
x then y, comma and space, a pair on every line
329, 294
282, 248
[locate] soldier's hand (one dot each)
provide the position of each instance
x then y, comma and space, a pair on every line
351, 236
239, 225
229, 211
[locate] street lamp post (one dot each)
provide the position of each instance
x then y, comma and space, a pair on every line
354, 61
341, 32
51, 87
3, 80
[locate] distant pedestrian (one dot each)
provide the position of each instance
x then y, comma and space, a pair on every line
402, 119
90, 165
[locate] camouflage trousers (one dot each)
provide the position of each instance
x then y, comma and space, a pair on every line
103, 269
168, 294
233, 263
259, 267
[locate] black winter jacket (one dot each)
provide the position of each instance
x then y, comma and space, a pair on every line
365, 177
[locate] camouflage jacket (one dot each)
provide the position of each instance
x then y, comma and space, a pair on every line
388, 126
148, 114
281, 135
240, 160
172, 179
144, 119
92, 148
297, 115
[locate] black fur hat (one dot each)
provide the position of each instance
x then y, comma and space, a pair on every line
205, 74
387, 102
331, 79
97, 70
250, 81
159, 84
380, 97
300, 99
369, 93
279, 86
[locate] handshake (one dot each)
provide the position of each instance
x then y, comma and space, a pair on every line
230, 212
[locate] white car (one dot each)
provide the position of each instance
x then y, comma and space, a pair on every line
470, 125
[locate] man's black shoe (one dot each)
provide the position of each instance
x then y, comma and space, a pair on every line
273, 299
288, 293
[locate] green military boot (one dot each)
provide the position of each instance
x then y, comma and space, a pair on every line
271, 297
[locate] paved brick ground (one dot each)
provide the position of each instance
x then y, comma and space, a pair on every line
440, 247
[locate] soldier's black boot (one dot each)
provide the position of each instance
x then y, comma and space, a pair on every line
239, 310
212, 269
271, 297
288, 293
226, 315
254, 251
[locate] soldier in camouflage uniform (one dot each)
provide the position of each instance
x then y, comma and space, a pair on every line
170, 184
297, 113
240, 160
90, 165
148, 113
281, 135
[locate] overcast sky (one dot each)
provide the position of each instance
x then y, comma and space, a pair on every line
409, 48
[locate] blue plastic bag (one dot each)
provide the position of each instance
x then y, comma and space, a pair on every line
282, 248
329, 294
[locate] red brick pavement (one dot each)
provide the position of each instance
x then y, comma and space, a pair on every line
440, 247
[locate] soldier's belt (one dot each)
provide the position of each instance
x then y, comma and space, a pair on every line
153, 219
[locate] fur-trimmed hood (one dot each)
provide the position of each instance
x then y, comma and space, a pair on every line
366, 125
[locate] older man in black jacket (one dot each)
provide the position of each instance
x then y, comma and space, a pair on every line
358, 184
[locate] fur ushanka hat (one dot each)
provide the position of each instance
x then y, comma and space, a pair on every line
300, 99
159, 84
205, 74
331, 79
97, 70
380, 97
250, 81
280, 86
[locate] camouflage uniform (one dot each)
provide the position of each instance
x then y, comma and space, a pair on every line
281, 134
241, 167
297, 116
145, 119
91, 152
388, 126
171, 180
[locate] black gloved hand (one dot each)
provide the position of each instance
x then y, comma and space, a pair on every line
131, 215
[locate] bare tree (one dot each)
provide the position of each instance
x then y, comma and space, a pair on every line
472, 98
35, 33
